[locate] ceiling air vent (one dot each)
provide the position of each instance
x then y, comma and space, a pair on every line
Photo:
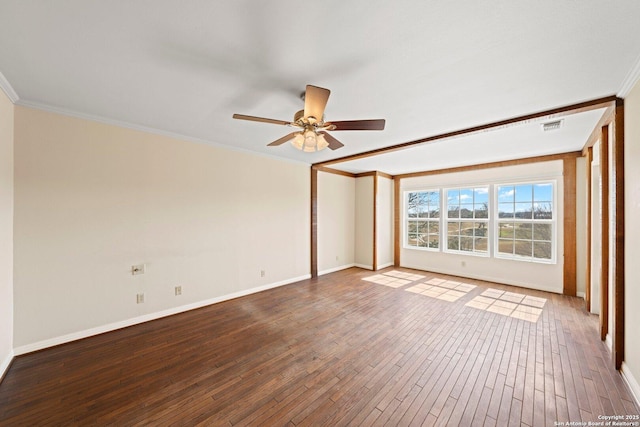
551, 125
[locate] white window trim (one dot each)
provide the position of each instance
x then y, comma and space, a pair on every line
405, 219
444, 227
553, 222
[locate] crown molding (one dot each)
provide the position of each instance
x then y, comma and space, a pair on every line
146, 129
630, 81
6, 87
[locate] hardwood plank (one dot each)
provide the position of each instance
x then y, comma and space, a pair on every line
504, 410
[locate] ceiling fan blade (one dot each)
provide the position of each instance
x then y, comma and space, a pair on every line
334, 144
261, 119
283, 139
359, 125
315, 99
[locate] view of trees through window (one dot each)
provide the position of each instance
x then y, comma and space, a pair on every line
467, 219
524, 222
423, 223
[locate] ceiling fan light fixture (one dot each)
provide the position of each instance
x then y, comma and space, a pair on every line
298, 141
312, 135
321, 143
309, 141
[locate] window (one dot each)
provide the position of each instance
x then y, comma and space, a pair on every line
468, 220
526, 221
423, 219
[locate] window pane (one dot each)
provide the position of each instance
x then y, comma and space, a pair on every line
505, 210
453, 197
481, 195
481, 244
542, 232
453, 212
466, 211
434, 227
434, 242
505, 230
453, 243
523, 230
466, 195
542, 250
505, 194
466, 228
543, 192
531, 207
412, 204
421, 204
505, 246
480, 229
412, 240
524, 193
453, 228
482, 210
523, 248
466, 244
524, 210
423, 240
542, 211
435, 211
422, 226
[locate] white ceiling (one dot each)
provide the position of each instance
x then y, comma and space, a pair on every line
427, 67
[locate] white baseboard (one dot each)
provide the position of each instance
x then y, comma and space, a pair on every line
631, 381
334, 269
5, 363
608, 340
366, 267
581, 295
147, 317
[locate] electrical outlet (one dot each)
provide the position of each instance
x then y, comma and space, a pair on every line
140, 298
178, 290
262, 273
137, 269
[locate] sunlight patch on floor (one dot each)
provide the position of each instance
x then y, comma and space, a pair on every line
447, 290
512, 304
393, 278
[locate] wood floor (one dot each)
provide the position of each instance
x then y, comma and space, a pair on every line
332, 351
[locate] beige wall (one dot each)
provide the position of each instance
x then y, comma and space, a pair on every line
548, 277
91, 200
6, 232
631, 366
364, 222
384, 222
336, 220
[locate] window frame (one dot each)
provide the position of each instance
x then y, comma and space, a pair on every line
553, 222
427, 220
474, 219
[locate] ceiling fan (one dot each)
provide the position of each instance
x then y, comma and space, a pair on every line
312, 135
